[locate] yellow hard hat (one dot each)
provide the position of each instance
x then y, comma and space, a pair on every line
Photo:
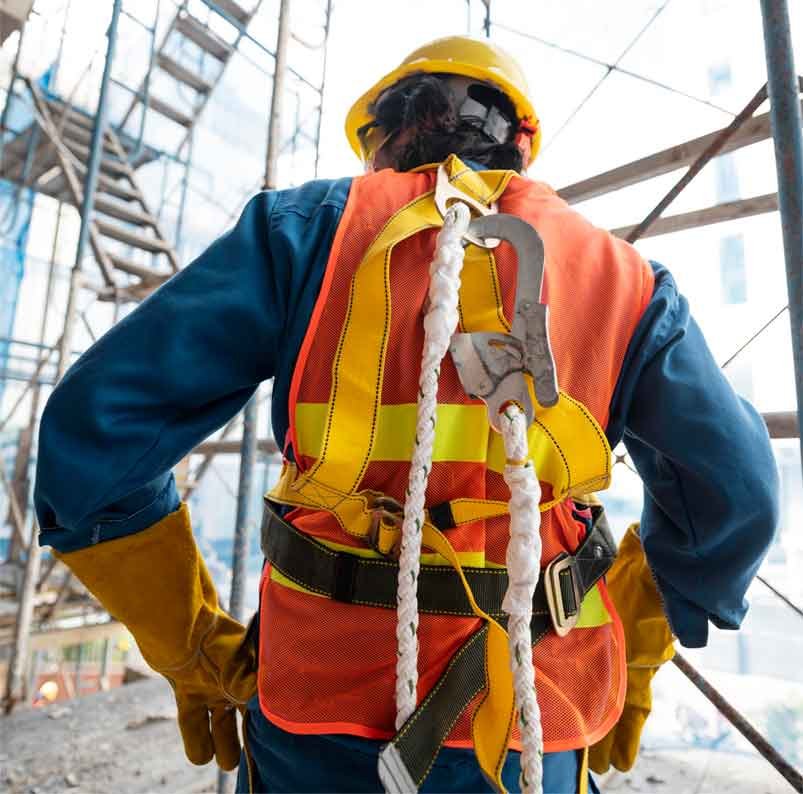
459, 55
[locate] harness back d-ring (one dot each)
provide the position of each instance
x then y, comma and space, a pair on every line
446, 192
492, 366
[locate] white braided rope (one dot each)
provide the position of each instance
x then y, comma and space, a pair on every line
524, 549
523, 568
440, 322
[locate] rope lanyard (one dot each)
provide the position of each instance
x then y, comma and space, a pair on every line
524, 548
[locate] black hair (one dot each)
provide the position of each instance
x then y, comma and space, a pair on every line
425, 104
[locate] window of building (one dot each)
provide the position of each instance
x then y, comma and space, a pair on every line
732, 269
719, 78
727, 178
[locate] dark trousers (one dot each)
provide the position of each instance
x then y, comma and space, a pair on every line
277, 761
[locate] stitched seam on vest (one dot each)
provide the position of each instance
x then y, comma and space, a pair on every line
487, 690
503, 756
560, 451
594, 424
412, 203
381, 371
406, 729
480, 502
335, 373
318, 309
467, 189
300, 583
380, 375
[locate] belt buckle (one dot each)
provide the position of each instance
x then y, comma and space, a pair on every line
387, 511
563, 595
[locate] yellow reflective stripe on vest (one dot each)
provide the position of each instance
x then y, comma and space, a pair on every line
568, 448
461, 432
593, 612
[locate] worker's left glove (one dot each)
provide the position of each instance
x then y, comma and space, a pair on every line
156, 583
649, 643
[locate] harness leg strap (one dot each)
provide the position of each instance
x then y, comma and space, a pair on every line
408, 758
410, 755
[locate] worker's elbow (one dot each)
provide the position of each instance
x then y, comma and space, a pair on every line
758, 494
767, 505
761, 498
56, 491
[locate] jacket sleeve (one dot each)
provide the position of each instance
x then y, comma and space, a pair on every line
710, 480
155, 385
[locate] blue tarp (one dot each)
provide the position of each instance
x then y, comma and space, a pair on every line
16, 206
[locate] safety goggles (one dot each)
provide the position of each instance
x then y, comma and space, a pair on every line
372, 138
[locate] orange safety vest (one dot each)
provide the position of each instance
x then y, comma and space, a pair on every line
329, 667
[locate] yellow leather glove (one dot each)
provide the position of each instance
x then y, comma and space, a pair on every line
649, 644
156, 583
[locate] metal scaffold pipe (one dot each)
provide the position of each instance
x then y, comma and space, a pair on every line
248, 449
88, 200
792, 776
19, 656
277, 96
325, 45
239, 561
784, 93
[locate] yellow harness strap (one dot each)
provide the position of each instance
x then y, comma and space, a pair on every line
358, 368
492, 723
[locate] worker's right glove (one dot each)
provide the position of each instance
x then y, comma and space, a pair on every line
156, 583
649, 644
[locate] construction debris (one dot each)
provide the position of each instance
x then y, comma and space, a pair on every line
101, 756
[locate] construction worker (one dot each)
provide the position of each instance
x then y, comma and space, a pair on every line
323, 288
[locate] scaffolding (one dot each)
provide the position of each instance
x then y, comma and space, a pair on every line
91, 159
145, 134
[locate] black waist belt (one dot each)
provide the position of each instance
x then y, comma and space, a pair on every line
372, 582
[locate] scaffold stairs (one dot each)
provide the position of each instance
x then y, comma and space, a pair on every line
187, 47
131, 250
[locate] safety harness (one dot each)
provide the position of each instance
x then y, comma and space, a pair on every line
563, 437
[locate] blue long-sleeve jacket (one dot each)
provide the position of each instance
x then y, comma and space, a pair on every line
190, 356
